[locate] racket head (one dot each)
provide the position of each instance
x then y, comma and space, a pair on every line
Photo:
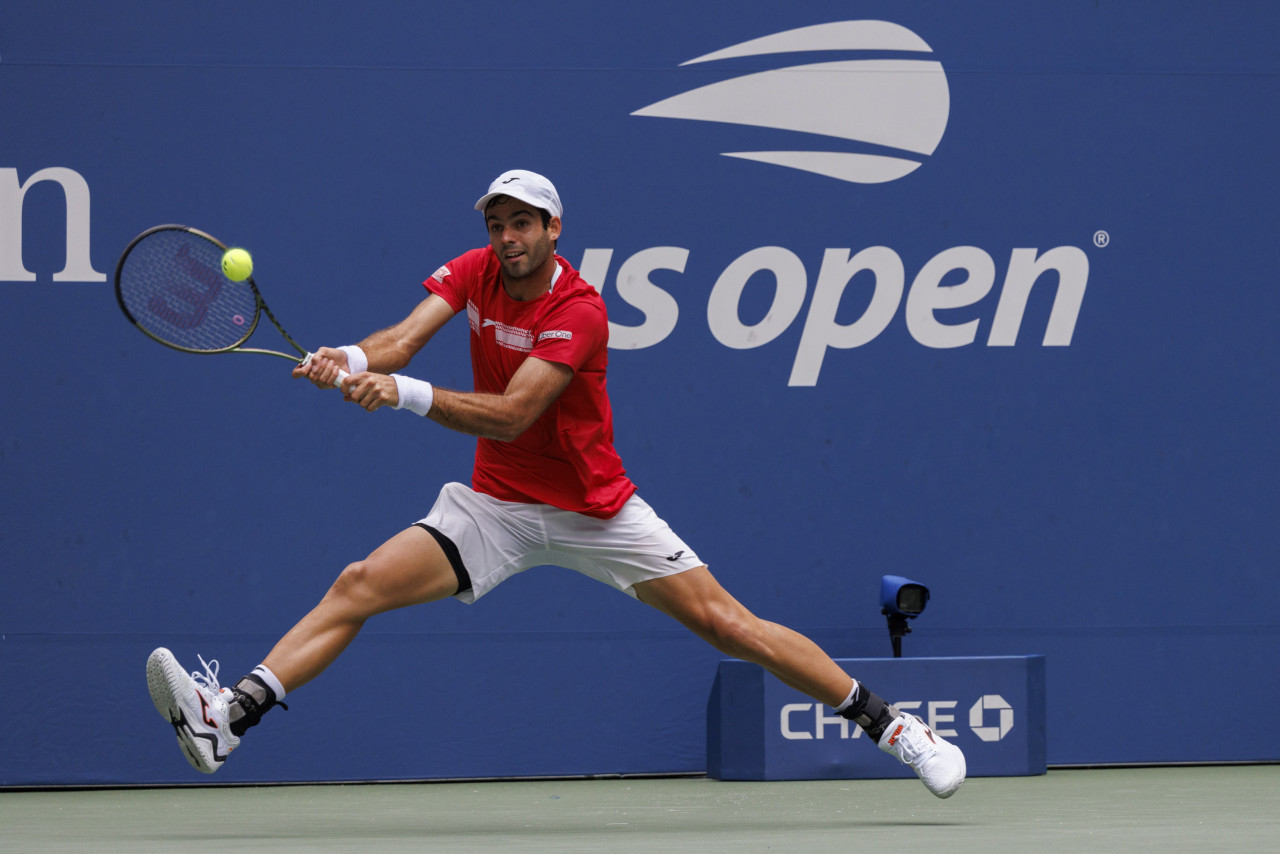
169, 283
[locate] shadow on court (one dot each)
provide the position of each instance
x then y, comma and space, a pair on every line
1167, 809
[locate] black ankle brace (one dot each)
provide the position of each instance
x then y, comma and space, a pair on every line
253, 699
870, 712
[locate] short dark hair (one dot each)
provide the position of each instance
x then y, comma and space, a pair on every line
497, 200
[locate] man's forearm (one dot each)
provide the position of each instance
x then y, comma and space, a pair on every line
491, 416
386, 350
390, 349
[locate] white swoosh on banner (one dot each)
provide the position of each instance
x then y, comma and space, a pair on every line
855, 168
841, 35
902, 104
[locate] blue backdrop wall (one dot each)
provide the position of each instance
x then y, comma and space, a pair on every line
982, 294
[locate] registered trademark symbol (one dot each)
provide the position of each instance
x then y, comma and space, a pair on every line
1101, 238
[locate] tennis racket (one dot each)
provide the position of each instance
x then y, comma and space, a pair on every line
170, 284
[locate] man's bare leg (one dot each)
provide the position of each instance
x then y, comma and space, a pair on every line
408, 569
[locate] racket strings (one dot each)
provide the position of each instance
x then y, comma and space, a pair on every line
172, 286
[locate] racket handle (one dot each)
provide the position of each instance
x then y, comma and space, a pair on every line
342, 375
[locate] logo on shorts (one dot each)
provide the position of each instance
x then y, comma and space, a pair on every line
891, 112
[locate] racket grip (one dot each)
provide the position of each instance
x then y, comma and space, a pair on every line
342, 375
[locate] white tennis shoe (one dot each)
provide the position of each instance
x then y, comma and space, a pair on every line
937, 762
196, 705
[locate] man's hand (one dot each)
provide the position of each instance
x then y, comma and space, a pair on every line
371, 391
323, 367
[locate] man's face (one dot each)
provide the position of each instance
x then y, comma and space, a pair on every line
518, 237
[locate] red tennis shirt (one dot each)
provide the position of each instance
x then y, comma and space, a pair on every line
566, 458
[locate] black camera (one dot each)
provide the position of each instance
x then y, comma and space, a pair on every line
901, 599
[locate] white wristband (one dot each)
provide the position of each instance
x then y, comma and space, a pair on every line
357, 361
415, 395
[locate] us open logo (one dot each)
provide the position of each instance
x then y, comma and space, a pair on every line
888, 105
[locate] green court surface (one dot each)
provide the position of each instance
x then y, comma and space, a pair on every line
1200, 809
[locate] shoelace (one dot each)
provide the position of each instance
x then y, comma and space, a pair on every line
913, 746
208, 679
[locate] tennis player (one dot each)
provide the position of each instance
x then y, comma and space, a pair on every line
547, 488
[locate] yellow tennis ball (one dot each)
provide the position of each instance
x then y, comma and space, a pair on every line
237, 265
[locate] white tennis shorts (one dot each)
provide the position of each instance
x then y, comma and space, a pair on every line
496, 539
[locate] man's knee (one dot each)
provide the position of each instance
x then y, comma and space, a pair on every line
396, 575
355, 587
733, 633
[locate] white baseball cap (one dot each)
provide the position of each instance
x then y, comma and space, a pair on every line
527, 187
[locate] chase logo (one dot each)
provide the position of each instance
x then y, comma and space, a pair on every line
978, 717
888, 106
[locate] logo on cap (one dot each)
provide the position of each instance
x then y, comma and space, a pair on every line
532, 188
890, 111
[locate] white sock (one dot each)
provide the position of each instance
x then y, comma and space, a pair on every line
848, 701
268, 677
